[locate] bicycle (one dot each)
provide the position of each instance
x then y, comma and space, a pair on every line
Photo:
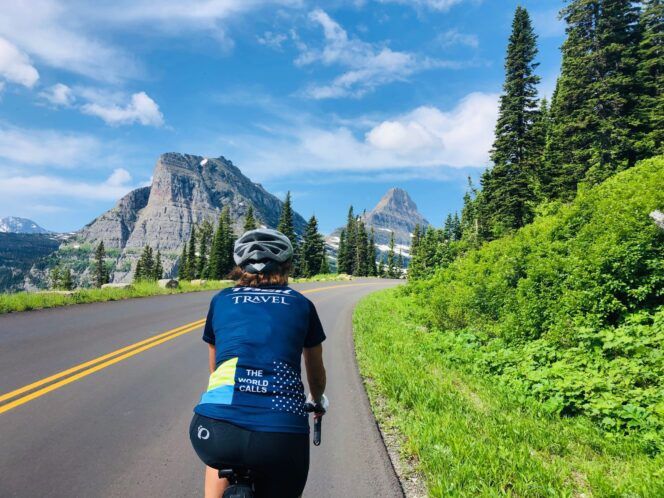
241, 479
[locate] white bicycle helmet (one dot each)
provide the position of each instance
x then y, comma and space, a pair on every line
261, 250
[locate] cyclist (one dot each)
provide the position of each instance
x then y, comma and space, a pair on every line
252, 414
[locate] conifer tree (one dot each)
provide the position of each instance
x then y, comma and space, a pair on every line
192, 259
313, 247
592, 132
145, 267
508, 187
228, 242
351, 243
204, 243
361, 266
250, 221
390, 270
342, 252
371, 254
101, 275
67, 280
183, 264
650, 74
158, 267
324, 265
399, 264
287, 227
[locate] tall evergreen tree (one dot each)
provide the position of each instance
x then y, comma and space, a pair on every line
287, 227
371, 254
650, 74
593, 126
351, 243
101, 274
67, 279
158, 267
145, 267
508, 187
361, 266
228, 241
342, 252
204, 248
391, 263
324, 264
183, 264
313, 247
192, 258
250, 220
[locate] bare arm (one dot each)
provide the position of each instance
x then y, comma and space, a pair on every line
313, 362
212, 351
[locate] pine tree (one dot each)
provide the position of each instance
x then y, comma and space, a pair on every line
351, 243
183, 264
399, 264
508, 187
192, 259
313, 247
593, 123
250, 221
324, 265
56, 277
158, 267
228, 241
67, 282
287, 227
342, 253
371, 254
361, 266
145, 267
101, 275
391, 263
650, 74
204, 241
416, 266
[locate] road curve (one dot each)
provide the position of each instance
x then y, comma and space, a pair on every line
121, 430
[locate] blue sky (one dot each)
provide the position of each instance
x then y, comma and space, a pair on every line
336, 101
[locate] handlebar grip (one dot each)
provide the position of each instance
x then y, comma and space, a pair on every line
317, 430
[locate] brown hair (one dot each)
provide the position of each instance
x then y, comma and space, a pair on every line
246, 279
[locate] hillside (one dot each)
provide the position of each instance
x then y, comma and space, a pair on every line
18, 253
14, 224
563, 320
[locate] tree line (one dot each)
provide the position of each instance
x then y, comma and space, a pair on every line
606, 113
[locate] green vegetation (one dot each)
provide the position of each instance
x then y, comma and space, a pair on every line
149, 267
561, 320
23, 301
313, 250
469, 433
357, 248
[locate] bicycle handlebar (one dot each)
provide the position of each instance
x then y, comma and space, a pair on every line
319, 410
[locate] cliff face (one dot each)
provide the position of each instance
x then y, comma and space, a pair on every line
395, 212
186, 189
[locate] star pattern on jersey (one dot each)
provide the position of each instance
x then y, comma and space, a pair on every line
290, 388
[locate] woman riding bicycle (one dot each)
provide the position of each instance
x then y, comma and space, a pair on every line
252, 414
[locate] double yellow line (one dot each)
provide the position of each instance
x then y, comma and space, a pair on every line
60, 379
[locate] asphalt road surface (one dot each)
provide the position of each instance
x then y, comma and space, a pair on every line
117, 423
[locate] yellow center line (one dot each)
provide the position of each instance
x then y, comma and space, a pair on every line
96, 364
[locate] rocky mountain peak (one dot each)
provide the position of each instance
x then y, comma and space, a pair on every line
14, 224
186, 190
396, 199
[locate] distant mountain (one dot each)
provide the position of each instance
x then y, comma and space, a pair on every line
14, 224
395, 213
19, 252
186, 189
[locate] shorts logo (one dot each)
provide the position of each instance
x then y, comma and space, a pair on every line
203, 433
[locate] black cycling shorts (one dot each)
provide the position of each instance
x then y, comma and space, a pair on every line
279, 461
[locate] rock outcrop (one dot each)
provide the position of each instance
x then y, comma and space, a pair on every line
186, 190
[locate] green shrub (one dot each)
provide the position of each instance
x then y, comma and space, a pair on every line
568, 310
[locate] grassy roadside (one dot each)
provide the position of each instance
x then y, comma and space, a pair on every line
24, 301
471, 436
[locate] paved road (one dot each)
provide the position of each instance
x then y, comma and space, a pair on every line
122, 430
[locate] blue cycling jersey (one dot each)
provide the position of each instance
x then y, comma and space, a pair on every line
259, 333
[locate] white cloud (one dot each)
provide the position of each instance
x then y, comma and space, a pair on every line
141, 109
272, 40
426, 137
40, 187
441, 5
15, 66
454, 37
56, 34
59, 95
46, 147
367, 65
